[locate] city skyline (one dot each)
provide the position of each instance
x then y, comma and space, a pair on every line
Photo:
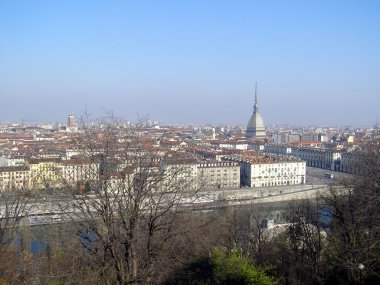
316, 63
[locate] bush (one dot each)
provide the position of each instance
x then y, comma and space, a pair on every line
222, 267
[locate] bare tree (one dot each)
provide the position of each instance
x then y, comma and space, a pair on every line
132, 211
259, 237
306, 240
354, 236
13, 208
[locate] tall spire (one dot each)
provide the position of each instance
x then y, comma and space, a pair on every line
256, 106
256, 126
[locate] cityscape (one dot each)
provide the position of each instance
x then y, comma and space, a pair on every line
38, 156
202, 142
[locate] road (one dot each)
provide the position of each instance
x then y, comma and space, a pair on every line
48, 209
316, 176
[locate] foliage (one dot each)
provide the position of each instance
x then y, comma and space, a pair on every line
229, 268
223, 267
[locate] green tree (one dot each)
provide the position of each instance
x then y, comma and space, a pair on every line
229, 268
222, 267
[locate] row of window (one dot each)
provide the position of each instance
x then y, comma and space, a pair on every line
16, 172
276, 183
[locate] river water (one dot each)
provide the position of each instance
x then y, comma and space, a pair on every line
38, 237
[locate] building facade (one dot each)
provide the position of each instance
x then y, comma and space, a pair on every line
45, 172
14, 178
219, 175
273, 174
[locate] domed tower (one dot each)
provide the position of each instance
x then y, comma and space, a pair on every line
256, 127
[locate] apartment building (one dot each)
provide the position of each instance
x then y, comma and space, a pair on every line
315, 157
264, 174
79, 170
350, 162
14, 178
219, 175
45, 172
263, 170
179, 173
322, 158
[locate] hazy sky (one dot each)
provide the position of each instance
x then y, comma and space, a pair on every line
316, 62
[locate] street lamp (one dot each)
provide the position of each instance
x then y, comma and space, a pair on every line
361, 268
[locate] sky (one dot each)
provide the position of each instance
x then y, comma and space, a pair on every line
191, 62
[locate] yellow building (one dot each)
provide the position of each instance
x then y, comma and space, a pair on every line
45, 172
350, 138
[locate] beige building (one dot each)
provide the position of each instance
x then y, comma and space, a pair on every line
351, 162
286, 137
322, 158
180, 173
74, 171
167, 175
14, 178
314, 157
219, 175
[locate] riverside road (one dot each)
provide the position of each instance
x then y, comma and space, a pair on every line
50, 209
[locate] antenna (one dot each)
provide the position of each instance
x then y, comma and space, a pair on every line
256, 93
256, 107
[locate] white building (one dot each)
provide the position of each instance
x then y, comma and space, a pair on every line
10, 161
264, 170
273, 174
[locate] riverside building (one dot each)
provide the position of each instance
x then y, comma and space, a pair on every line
257, 170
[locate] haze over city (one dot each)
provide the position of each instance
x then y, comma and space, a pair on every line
316, 62
162, 142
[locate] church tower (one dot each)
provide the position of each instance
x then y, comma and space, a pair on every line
256, 127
